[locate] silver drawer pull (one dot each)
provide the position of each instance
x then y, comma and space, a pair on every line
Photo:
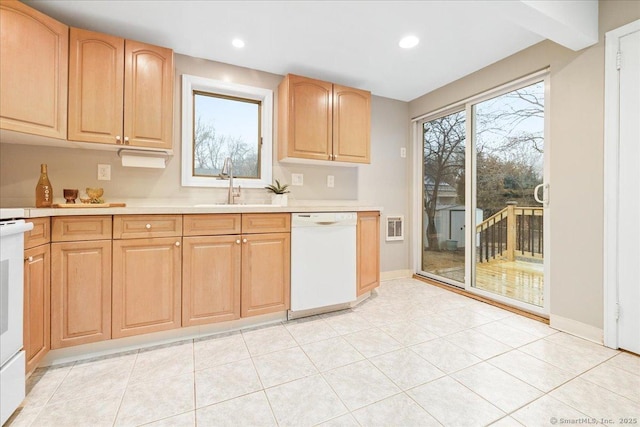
148, 226
177, 243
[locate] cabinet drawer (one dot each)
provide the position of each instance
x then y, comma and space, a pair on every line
40, 234
77, 228
266, 223
143, 226
211, 225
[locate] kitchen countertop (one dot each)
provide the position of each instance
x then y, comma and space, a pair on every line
11, 213
193, 209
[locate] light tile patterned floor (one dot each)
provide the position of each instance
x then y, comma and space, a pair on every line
412, 355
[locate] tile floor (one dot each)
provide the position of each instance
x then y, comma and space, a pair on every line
412, 355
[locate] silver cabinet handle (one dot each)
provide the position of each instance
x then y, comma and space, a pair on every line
30, 259
126, 140
238, 242
148, 226
177, 243
118, 141
244, 240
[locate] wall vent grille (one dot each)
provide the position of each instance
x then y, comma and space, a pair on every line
395, 227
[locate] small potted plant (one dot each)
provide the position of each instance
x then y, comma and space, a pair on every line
279, 196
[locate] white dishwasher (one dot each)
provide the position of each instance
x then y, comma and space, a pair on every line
323, 259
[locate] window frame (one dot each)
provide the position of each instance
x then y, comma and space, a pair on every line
191, 84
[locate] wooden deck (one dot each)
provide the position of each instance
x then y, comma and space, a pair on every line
520, 280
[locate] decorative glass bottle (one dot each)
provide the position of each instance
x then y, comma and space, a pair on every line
44, 192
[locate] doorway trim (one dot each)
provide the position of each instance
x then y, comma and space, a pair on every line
611, 184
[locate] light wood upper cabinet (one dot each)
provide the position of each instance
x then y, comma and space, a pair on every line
368, 251
210, 279
146, 285
351, 124
323, 121
120, 91
80, 292
33, 71
37, 299
266, 273
148, 95
305, 113
96, 86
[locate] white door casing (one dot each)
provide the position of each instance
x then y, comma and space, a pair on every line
622, 188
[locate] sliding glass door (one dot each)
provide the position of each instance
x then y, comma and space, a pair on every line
483, 185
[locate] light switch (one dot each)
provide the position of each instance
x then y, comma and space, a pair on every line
403, 152
330, 181
297, 179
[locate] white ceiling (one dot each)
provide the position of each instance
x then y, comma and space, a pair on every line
354, 43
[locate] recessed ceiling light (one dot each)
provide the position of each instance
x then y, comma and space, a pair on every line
408, 42
239, 43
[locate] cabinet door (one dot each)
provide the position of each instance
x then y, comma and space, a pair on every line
368, 251
309, 118
146, 285
96, 76
351, 124
210, 279
148, 95
266, 273
34, 50
80, 292
36, 305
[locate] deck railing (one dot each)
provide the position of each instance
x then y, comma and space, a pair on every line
514, 231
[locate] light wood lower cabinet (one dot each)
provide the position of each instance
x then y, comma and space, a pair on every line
266, 273
36, 304
146, 285
210, 279
80, 292
368, 251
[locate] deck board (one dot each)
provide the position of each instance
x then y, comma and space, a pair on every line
521, 280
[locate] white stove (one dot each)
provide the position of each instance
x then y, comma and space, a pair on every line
12, 358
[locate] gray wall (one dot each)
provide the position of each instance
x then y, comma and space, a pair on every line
576, 144
383, 183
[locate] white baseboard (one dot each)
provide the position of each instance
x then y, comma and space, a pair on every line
579, 329
395, 274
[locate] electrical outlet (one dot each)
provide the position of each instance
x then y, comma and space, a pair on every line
297, 179
403, 152
104, 172
330, 181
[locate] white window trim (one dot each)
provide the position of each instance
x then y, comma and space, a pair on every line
191, 83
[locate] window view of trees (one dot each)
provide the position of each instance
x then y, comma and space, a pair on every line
509, 139
509, 144
226, 127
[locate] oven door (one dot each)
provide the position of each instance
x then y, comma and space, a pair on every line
11, 287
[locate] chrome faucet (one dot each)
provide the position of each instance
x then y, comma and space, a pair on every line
227, 173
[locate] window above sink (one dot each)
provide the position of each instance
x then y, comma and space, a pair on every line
220, 120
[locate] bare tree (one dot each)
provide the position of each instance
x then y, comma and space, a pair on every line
211, 148
444, 140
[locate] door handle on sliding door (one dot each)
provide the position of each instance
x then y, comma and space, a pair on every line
545, 194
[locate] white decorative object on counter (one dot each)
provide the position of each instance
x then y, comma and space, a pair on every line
280, 199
